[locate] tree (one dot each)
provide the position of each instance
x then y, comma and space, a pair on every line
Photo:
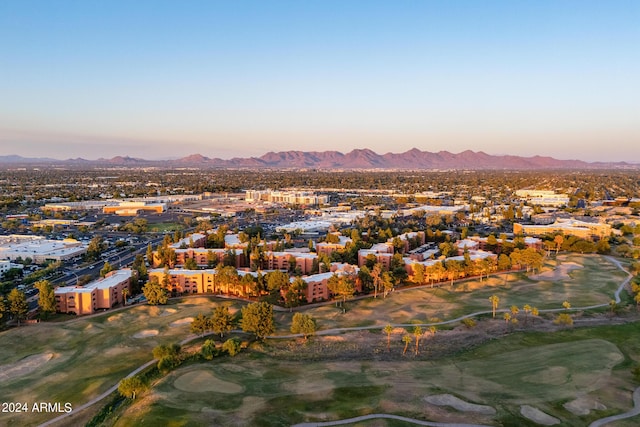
303, 324
208, 350
125, 293
514, 311
342, 286
417, 332
46, 297
3, 307
504, 264
563, 319
190, 264
495, 300
507, 317
257, 318
418, 273
95, 248
232, 346
406, 339
17, 304
566, 305
388, 330
166, 350
221, 321
106, 268
376, 275
558, 240
155, 293
200, 324
131, 386
535, 313
527, 310
149, 254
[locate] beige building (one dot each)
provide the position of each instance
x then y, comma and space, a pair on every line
573, 227
104, 293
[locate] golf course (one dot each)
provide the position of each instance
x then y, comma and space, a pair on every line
532, 373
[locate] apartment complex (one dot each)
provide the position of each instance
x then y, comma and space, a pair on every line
100, 294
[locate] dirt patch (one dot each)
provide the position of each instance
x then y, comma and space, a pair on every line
24, 366
537, 416
181, 322
458, 404
583, 405
146, 333
201, 381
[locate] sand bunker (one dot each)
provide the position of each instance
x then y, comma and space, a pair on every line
201, 381
146, 333
537, 416
561, 272
458, 404
181, 322
583, 405
114, 317
168, 311
24, 366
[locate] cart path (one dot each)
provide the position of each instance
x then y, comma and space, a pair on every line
633, 412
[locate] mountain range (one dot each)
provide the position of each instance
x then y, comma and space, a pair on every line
413, 159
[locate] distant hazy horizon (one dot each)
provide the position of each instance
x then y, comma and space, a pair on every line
164, 79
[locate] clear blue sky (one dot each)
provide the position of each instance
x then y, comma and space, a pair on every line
159, 79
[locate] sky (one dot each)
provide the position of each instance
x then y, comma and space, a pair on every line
165, 79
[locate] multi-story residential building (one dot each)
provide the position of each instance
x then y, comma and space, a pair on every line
100, 294
383, 252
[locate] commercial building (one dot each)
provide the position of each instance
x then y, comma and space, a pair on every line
39, 249
286, 197
573, 227
134, 208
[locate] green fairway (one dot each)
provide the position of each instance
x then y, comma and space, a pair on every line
87, 356
78, 360
593, 283
542, 370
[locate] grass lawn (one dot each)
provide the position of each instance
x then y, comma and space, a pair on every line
161, 227
592, 284
76, 361
586, 366
87, 356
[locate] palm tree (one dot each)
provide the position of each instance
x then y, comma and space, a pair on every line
388, 330
507, 317
527, 310
514, 311
535, 313
417, 331
406, 340
376, 275
494, 299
